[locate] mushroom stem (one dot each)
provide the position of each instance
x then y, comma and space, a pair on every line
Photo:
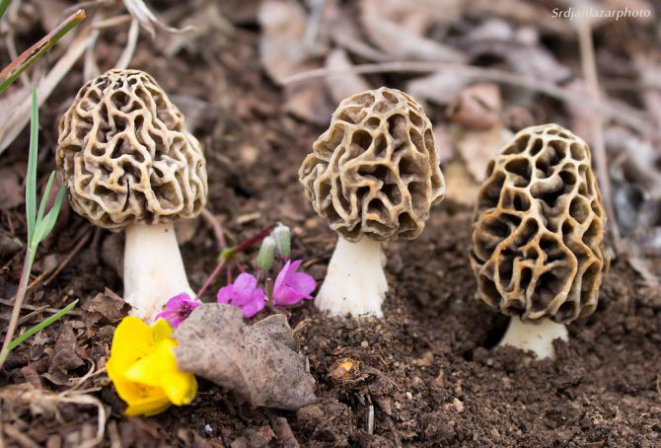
535, 336
153, 269
355, 283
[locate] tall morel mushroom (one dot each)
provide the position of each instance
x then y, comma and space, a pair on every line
129, 163
538, 236
374, 174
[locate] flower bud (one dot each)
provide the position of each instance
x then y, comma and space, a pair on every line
266, 255
282, 236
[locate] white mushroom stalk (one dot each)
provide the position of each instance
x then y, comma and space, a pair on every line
374, 175
355, 283
537, 337
129, 163
153, 269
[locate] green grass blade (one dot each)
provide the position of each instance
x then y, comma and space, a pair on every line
41, 325
3, 7
44, 226
10, 73
31, 178
44, 197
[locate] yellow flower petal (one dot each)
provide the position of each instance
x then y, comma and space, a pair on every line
132, 341
144, 369
161, 330
148, 406
180, 388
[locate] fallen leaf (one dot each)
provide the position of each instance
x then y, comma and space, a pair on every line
282, 50
477, 106
478, 147
109, 306
11, 191
65, 354
443, 142
258, 362
9, 245
308, 100
397, 29
438, 88
344, 85
461, 187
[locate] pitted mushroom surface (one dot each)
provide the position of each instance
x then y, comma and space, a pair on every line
374, 175
126, 156
129, 163
538, 249
375, 171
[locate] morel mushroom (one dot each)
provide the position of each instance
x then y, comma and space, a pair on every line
374, 174
538, 248
128, 162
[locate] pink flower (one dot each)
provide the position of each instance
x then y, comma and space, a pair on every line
243, 294
178, 309
291, 286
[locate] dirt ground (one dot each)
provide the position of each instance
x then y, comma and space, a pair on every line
424, 376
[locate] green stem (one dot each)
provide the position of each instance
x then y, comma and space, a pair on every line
29, 56
18, 304
3, 7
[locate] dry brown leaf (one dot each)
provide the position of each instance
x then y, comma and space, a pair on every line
397, 29
11, 191
519, 48
345, 85
461, 186
281, 45
477, 106
477, 147
438, 88
258, 362
309, 101
283, 53
109, 306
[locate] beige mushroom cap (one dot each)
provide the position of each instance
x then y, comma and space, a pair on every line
375, 172
126, 156
538, 236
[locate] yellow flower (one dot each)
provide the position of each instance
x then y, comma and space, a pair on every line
144, 369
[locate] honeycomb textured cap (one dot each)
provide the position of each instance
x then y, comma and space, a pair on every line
125, 154
375, 172
538, 235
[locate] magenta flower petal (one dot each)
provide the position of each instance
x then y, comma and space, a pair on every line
303, 283
290, 286
178, 309
243, 294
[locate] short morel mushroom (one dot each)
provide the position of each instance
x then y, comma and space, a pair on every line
374, 174
129, 163
538, 237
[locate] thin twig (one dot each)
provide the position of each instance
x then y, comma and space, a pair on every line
598, 144
216, 226
620, 112
211, 278
131, 43
25, 306
29, 316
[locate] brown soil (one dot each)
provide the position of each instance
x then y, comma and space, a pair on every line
427, 370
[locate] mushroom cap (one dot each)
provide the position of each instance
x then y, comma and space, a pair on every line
538, 234
126, 156
375, 171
